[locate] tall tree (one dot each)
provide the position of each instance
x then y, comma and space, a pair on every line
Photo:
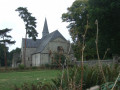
108, 15
77, 16
6, 39
30, 25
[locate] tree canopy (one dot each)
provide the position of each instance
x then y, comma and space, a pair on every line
108, 15
30, 22
4, 37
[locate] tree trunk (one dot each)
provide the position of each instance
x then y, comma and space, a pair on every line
25, 50
5, 56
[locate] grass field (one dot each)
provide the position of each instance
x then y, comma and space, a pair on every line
9, 79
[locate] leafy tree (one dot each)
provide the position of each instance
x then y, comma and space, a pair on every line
108, 15
30, 25
6, 39
77, 16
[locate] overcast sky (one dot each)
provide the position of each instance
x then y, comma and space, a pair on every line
51, 9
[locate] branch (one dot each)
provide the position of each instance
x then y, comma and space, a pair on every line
115, 82
4, 31
101, 69
83, 48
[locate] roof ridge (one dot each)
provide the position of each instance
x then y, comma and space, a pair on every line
30, 39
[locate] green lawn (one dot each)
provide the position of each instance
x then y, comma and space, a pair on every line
9, 79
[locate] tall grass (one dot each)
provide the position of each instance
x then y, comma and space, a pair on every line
91, 77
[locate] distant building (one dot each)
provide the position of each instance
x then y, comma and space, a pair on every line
38, 52
16, 60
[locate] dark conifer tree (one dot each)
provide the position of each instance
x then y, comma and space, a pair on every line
5, 39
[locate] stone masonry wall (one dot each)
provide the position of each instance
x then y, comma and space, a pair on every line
94, 62
28, 58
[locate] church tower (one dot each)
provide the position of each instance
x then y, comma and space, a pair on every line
45, 29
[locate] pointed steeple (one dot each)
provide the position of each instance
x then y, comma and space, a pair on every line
45, 29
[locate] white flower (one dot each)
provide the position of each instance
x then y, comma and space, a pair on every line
37, 78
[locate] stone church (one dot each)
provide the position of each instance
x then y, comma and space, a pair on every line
38, 52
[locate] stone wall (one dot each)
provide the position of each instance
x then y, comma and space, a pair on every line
53, 45
94, 62
44, 58
28, 58
36, 59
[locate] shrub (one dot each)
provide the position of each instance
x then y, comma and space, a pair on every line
47, 65
109, 85
59, 58
34, 67
21, 66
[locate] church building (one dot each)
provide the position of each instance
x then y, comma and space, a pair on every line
38, 52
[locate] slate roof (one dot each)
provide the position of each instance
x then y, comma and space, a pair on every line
40, 44
31, 43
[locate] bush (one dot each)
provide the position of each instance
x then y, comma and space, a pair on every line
58, 59
34, 67
47, 65
21, 66
51, 66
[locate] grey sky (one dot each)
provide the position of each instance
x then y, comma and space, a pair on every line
51, 9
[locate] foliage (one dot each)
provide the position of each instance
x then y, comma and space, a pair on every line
21, 66
34, 67
5, 39
17, 50
77, 16
59, 58
30, 22
106, 12
30, 25
70, 80
110, 85
38, 86
92, 76
2, 55
11, 53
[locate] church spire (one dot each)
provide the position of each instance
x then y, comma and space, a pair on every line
45, 29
